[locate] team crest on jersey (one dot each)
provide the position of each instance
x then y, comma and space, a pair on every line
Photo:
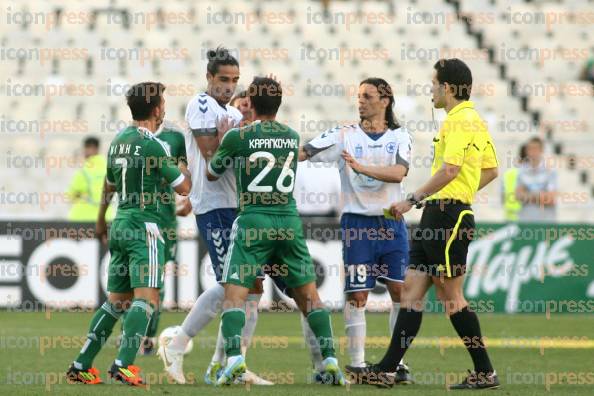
358, 151
390, 147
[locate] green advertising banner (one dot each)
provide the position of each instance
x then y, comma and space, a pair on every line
541, 268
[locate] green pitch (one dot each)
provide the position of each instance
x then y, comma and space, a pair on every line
530, 352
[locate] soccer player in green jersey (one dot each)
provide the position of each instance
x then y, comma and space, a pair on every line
137, 163
268, 228
174, 140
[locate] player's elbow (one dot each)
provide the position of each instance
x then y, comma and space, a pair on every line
397, 178
451, 172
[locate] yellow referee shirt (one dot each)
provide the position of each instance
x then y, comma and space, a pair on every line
463, 140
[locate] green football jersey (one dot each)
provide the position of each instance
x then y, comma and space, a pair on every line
264, 156
174, 140
137, 162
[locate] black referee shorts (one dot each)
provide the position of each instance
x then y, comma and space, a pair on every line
440, 243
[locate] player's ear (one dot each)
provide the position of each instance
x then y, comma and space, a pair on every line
447, 88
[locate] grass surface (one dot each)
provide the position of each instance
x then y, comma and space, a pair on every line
36, 350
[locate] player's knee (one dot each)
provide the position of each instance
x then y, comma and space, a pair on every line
149, 294
357, 299
395, 290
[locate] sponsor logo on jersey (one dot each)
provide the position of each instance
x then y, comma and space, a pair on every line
390, 147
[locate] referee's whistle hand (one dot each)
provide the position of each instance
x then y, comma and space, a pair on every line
400, 208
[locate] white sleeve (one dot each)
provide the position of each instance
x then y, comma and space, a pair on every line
404, 150
201, 119
325, 147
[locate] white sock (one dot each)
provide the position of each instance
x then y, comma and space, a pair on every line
393, 316
179, 341
356, 329
251, 319
205, 309
231, 359
219, 353
315, 353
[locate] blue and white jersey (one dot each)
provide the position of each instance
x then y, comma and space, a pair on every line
363, 194
203, 113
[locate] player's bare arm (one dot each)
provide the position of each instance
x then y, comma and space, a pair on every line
487, 176
208, 144
543, 198
302, 154
211, 177
106, 196
439, 180
388, 174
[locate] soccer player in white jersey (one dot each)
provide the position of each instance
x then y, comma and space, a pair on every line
209, 117
374, 158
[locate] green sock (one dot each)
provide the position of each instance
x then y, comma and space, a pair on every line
135, 327
320, 324
154, 324
101, 326
232, 322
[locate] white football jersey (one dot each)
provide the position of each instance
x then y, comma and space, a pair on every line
362, 194
202, 115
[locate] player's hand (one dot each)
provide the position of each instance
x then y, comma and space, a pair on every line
101, 231
223, 125
353, 163
399, 208
183, 206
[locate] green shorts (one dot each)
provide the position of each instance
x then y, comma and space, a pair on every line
137, 256
271, 243
169, 231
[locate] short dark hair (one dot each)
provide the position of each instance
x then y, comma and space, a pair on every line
241, 95
385, 91
457, 74
143, 97
219, 57
265, 95
91, 141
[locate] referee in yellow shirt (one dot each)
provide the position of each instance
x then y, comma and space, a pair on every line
464, 161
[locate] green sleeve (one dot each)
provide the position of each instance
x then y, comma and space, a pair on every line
160, 158
223, 158
182, 156
109, 174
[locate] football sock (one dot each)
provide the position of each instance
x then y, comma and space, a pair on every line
135, 327
154, 323
406, 329
179, 341
468, 328
251, 319
232, 322
219, 353
101, 327
393, 315
206, 307
319, 322
356, 329
313, 346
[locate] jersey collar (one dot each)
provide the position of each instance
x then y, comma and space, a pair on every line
467, 104
145, 131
